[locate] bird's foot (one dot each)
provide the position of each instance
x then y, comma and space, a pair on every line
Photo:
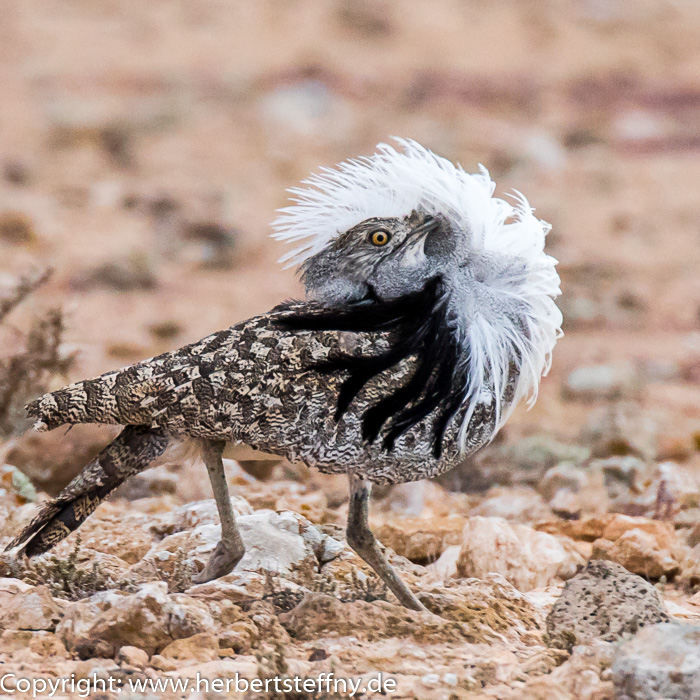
221, 562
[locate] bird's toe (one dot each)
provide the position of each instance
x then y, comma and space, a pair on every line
222, 561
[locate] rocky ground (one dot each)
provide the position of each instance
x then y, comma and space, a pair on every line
143, 150
524, 603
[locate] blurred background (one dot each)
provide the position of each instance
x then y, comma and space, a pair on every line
144, 148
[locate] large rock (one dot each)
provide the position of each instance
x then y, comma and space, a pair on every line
604, 601
525, 557
319, 615
491, 608
578, 678
182, 554
81, 615
639, 552
195, 649
661, 661
239, 587
9, 588
420, 539
25, 643
611, 527
617, 525
149, 619
133, 657
241, 636
32, 609
475, 611
644, 546
285, 544
122, 534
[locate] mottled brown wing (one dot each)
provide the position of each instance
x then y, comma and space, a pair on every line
176, 389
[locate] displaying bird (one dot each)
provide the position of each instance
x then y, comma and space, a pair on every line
429, 315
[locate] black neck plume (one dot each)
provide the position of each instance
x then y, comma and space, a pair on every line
418, 325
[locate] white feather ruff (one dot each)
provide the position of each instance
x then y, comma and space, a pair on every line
393, 184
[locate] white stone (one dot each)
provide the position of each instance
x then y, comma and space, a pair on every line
525, 557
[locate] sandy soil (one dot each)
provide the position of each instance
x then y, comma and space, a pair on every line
126, 124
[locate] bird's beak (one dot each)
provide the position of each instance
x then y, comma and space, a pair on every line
415, 252
427, 227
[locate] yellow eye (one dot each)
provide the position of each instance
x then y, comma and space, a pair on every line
379, 237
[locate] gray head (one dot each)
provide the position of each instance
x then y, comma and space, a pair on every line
381, 258
381, 227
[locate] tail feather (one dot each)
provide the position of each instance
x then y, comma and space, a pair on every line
89, 401
134, 395
131, 452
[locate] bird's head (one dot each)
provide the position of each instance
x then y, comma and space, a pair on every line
381, 258
377, 228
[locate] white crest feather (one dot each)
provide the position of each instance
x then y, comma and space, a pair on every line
393, 184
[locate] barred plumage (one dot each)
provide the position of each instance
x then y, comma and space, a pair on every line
429, 317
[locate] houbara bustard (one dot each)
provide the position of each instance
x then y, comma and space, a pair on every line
430, 313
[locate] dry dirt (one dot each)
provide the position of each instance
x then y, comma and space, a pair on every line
143, 150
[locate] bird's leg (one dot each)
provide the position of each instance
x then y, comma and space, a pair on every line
361, 539
230, 549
